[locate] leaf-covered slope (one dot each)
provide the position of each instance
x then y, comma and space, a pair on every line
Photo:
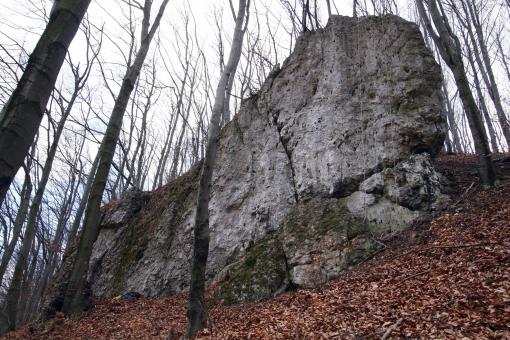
447, 277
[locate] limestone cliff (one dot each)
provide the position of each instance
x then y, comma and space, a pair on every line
332, 153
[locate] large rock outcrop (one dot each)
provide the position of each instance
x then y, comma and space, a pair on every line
332, 153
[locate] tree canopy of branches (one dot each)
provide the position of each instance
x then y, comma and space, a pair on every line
21, 116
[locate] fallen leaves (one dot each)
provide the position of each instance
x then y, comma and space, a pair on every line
446, 278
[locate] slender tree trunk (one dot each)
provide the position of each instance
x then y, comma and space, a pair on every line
48, 270
454, 128
447, 147
83, 203
74, 300
158, 178
53, 251
10, 309
197, 314
142, 139
306, 9
483, 105
167, 153
503, 56
487, 170
21, 116
448, 141
26, 193
328, 4
226, 109
185, 122
178, 146
28, 283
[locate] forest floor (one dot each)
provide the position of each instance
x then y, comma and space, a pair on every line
448, 276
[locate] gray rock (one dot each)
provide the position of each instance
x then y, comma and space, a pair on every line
359, 201
388, 217
120, 212
260, 273
339, 135
316, 237
414, 183
355, 97
373, 184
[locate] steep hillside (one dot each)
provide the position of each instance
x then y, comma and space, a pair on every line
446, 277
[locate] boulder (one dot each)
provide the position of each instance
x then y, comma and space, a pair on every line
331, 154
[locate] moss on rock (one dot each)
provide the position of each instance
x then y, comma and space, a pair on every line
258, 274
321, 238
317, 217
176, 196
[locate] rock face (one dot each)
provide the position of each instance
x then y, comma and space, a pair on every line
332, 153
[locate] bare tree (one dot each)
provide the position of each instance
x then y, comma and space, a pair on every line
74, 302
450, 50
197, 314
481, 99
21, 116
474, 35
374, 7
66, 105
67, 199
505, 59
20, 218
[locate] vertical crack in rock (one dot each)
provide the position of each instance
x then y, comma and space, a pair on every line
287, 152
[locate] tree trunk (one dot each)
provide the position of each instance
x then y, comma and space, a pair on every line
158, 178
481, 99
74, 302
21, 116
226, 106
449, 47
83, 202
454, 129
53, 251
328, 4
197, 314
28, 282
503, 56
